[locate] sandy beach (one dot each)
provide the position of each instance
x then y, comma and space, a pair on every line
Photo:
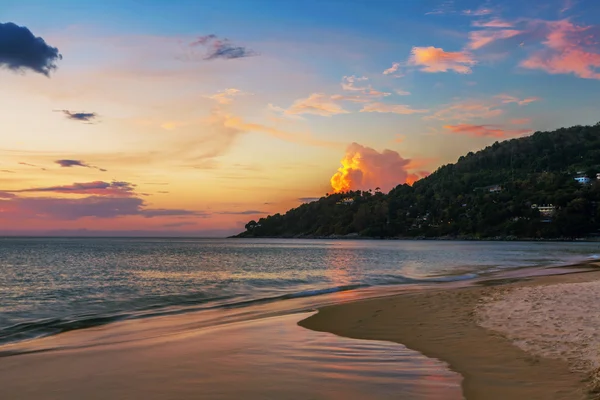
490, 333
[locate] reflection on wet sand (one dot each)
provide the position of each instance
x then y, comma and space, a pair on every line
266, 358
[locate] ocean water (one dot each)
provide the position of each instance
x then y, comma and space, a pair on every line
53, 285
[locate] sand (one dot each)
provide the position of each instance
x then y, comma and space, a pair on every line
503, 339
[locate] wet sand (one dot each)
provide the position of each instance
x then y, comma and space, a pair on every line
443, 324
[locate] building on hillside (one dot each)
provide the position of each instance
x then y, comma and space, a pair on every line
346, 201
546, 210
494, 188
583, 179
598, 176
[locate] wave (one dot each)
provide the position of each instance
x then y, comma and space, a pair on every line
53, 326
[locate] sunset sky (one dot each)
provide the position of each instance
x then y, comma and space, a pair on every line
193, 117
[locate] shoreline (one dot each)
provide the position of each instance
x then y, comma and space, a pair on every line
590, 239
443, 324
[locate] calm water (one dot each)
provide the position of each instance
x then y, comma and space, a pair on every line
48, 286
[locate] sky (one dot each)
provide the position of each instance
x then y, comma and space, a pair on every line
193, 117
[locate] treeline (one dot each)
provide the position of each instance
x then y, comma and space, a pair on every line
496, 192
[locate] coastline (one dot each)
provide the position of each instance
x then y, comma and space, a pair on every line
590, 239
443, 324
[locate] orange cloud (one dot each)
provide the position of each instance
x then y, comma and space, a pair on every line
506, 99
391, 108
226, 96
485, 130
478, 39
434, 59
316, 103
364, 168
570, 49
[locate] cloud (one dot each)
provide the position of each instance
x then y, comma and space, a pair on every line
92, 206
179, 224
520, 121
349, 83
479, 39
96, 188
480, 12
392, 69
364, 168
77, 163
317, 104
7, 171
507, 99
485, 130
307, 199
32, 165
391, 108
466, 110
493, 23
446, 7
226, 96
401, 92
568, 4
80, 116
21, 50
6, 195
568, 49
433, 59
221, 48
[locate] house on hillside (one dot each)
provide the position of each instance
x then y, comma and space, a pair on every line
346, 201
583, 179
546, 210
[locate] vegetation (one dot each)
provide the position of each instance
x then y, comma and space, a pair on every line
458, 200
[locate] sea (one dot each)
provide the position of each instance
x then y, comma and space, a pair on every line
255, 291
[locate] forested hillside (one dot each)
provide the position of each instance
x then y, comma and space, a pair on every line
519, 188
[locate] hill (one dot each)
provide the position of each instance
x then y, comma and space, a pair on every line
519, 188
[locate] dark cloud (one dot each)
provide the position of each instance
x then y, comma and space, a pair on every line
7, 171
77, 163
162, 192
21, 50
97, 188
92, 206
307, 199
32, 165
80, 116
246, 212
221, 48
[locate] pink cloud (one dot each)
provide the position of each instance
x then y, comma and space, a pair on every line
569, 49
434, 59
493, 23
478, 39
467, 110
506, 99
392, 69
485, 130
391, 108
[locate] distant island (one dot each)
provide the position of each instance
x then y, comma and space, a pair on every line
544, 186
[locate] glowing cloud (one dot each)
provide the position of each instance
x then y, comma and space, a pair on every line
485, 130
226, 96
364, 168
434, 59
316, 103
570, 49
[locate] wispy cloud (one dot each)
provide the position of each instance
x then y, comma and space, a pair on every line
20, 50
391, 108
395, 66
96, 188
80, 116
466, 110
480, 12
245, 212
221, 48
479, 39
507, 99
496, 131
226, 96
493, 23
433, 59
32, 165
446, 7
317, 104
307, 199
520, 121
77, 163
